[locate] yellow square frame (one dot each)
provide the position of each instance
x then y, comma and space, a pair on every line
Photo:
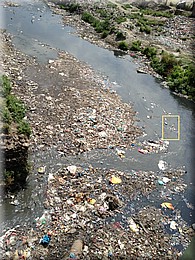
178, 127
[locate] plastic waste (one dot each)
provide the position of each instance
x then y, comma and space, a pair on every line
120, 153
142, 151
50, 177
162, 165
115, 180
72, 169
41, 169
76, 249
167, 205
165, 179
102, 134
160, 182
45, 240
92, 201
173, 225
133, 226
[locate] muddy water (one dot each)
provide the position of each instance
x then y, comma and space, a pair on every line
40, 33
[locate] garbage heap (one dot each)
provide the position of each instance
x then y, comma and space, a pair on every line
90, 213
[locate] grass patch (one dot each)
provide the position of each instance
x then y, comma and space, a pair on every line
72, 8
123, 46
151, 12
13, 109
120, 19
126, 6
136, 46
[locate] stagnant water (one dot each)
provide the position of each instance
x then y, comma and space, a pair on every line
40, 33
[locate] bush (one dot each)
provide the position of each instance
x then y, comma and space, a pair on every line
123, 46
6, 117
104, 34
6, 86
72, 8
15, 107
150, 52
120, 19
157, 13
24, 128
145, 28
168, 61
120, 36
136, 46
126, 6
182, 79
88, 18
103, 13
13, 110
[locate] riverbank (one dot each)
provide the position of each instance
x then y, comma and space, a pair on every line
78, 114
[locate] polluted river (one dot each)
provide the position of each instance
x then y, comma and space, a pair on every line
41, 34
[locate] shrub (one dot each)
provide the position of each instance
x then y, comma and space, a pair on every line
145, 28
136, 46
13, 110
6, 116
120, 36
15, 107
6, 86
120, 19
87, 17
104, 34
24, 128
103, 13
150, 52
72, 8
168, 61
182, 79
126, 6
123, 46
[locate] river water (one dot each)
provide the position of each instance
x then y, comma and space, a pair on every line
40, 33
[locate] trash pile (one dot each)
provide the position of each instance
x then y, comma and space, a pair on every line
152, 146
80, 218
86, 208
178, 32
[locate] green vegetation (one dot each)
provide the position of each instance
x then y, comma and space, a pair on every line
126, 6
180, 74
165, 64
99, 26
145, 24
120, 19
145, 28
13, 110
150, 52
136, 46
123, 46
151, 12
182, 79
103, 13
111, 5
16, 158
72, 8
120, 36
